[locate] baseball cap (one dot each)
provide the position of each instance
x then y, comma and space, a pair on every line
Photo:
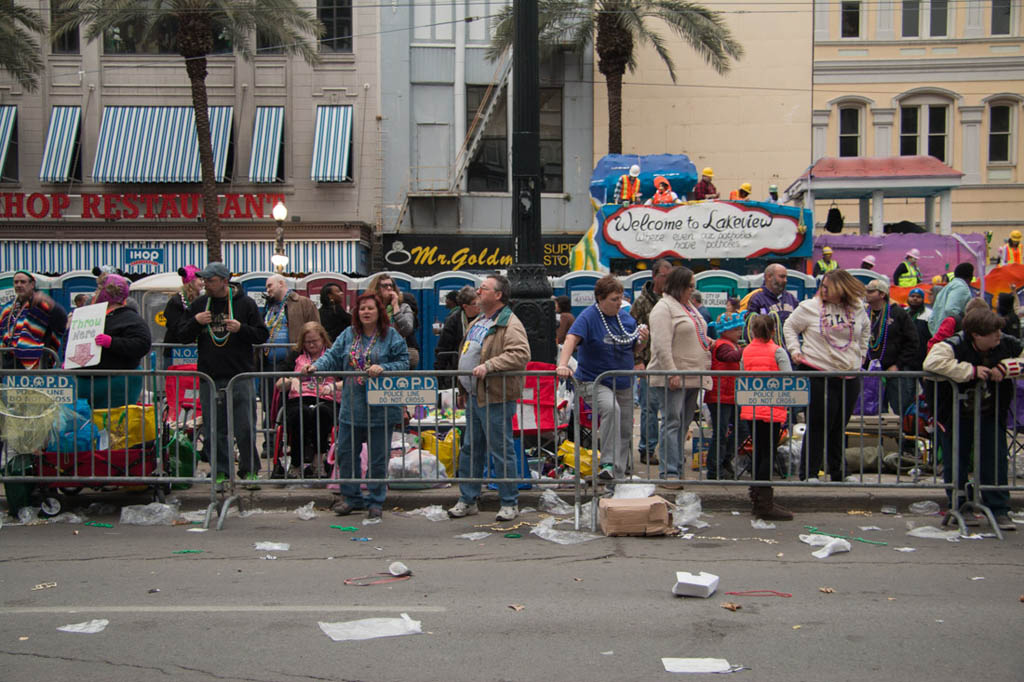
215, 269
878, 285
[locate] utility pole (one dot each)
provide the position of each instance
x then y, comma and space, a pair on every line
531, 290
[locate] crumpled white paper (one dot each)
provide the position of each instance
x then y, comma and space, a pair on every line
829, 545
89, 627
371, 628
698, 665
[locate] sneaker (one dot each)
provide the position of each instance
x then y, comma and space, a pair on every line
251, 481
218, 485
374, 513
462, 509
607, 473
507, 513
1004, 522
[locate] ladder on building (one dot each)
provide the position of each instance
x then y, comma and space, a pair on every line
474, 134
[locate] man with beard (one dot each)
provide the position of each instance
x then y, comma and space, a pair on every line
773, 299
919, 314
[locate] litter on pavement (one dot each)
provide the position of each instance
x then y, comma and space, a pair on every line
271, 546
371, 628
89, 627
695, 585
699, 665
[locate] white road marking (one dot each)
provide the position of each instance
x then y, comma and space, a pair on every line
227, 608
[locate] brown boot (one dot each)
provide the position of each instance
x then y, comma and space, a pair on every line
764, 506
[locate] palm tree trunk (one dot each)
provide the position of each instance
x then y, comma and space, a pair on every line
196, 68
613, 82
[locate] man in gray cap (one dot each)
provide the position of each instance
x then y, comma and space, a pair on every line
225, 324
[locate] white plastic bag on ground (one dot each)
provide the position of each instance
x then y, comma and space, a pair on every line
474, 536
434, 512
271, 546
687, 511
761, 524
371, 628
152, 514
306, 511
89, 627
924, 507
625, 491
67, 517
933, 533
829, 545
551, 503
546, 531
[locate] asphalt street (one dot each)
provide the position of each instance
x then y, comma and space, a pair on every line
506, 608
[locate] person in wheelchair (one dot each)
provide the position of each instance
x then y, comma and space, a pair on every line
310, 404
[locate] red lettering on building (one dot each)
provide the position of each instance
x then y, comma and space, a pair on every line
131, 209
60, 202
110, 209
91, 206
14, 205
169, 208
232, 207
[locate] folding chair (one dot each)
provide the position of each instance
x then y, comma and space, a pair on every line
183, 410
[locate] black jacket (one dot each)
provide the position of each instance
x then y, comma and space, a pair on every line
446, 353
990, 393
130, 340
173, 312
900, 346
235, 356
335, 319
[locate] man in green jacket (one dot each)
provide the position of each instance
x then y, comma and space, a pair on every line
495, 342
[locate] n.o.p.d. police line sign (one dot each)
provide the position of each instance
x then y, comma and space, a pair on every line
780, 391
401, 390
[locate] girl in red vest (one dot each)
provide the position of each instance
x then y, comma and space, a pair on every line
721, 402
763, 355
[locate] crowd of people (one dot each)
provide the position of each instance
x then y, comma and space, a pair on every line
846, 327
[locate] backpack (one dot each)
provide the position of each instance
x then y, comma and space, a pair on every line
834, 220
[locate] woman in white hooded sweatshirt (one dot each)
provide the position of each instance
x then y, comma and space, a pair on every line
829, 333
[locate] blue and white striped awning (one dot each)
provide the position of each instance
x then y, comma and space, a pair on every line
158, 144
60, 144
266, 145
8, 114
333, 255
332, 143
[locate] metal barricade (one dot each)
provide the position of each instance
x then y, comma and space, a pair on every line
406, 440
67, 430
818, 437
8, 358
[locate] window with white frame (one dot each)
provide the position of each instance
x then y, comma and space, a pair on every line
911, 18
1000, 133
938, 18
924, 129
925, 18
1001, 12
850, 19
849, 131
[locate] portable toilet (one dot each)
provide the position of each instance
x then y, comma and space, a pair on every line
433, 312
866, 276
634, 284
715, 286
255, 285
579, 287
311, 286
800, 284
70, 284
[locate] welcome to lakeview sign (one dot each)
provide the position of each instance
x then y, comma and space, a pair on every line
702, 230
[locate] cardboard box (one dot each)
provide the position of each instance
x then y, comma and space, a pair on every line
638, 516
700, 585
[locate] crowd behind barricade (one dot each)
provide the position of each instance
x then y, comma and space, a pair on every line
658, 350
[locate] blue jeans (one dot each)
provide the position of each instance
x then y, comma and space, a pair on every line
243, 406
680, 407
346, 454
723, 441
650, 408
488, 439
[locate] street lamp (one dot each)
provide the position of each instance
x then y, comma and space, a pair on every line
279, 260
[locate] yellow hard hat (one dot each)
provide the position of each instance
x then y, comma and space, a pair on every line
938, 279
746, 187
1016, 235
827, 250
707, 171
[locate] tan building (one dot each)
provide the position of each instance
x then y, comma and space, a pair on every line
928, 77
88, 178
847, 78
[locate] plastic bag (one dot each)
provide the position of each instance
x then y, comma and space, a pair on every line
152, 514
74, 430
687, 511
546, 531
306, 511
416, 464
128, 426
924, 507
871, 391
370, 628
551, 503
933, 533
446, 450
434, 512
829, 545
567, 453
625, 491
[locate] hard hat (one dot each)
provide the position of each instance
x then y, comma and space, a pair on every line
913, 253
827, 250
773, 188
869, 259
938, 279
746, 187
708, 172
634, 170
1016, 235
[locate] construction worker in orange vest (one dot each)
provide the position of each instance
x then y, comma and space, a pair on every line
743, 193
1010, 253
627, 189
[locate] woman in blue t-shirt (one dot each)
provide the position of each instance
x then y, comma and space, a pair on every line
606, 339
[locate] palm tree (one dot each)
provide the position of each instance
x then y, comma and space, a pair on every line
19, 50
615, 27
198, 23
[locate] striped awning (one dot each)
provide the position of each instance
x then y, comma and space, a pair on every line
61, 138
158, 144
332, 143
330, 255
8, 114
266, 145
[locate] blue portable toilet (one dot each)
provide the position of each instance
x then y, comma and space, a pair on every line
255, 285
433, 312
866, 276
715, 286
70, 284
800, 283
634, 284
579, 287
